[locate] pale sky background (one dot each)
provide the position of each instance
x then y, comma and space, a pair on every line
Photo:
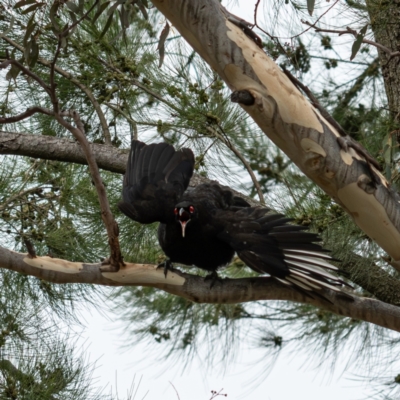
288, 379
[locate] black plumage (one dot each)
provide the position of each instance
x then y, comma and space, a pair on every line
204, 226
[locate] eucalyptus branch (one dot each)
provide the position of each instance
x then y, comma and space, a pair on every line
28, 113
315, 102
76, 82
239, 155
194, 288
353, 32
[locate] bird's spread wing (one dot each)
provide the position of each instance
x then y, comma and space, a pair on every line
268, 244
155, 179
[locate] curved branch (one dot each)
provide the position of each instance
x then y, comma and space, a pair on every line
194, 288
26, 114
108, 218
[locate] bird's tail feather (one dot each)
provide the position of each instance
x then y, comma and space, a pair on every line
285, 252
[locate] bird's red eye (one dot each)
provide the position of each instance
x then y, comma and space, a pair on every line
191, 209
176, 211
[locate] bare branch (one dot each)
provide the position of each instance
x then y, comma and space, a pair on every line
194, 288
306, 30
28, 113
111, 225
30, 248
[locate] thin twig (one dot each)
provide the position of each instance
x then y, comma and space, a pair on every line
339, 60
311, 26
255, 12
53, 85
177, 394
29, 112
353, 32
27, 72
131, 121
80, 19
111, 225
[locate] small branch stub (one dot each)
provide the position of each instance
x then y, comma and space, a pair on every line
243, 97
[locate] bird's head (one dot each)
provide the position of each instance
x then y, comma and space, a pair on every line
184, 213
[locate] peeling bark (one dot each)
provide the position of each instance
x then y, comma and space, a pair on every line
195, 288
289, 120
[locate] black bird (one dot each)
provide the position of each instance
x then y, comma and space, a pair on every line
204, 226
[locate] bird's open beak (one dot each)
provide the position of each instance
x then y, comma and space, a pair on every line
183, 225
183, 222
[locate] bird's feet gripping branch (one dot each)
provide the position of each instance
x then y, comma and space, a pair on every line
206, 225
166, 266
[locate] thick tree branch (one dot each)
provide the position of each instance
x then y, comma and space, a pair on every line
289, 120
67, 150
195, 288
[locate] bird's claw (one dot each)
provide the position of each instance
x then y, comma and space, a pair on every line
213, 277
166, 265
107, 266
